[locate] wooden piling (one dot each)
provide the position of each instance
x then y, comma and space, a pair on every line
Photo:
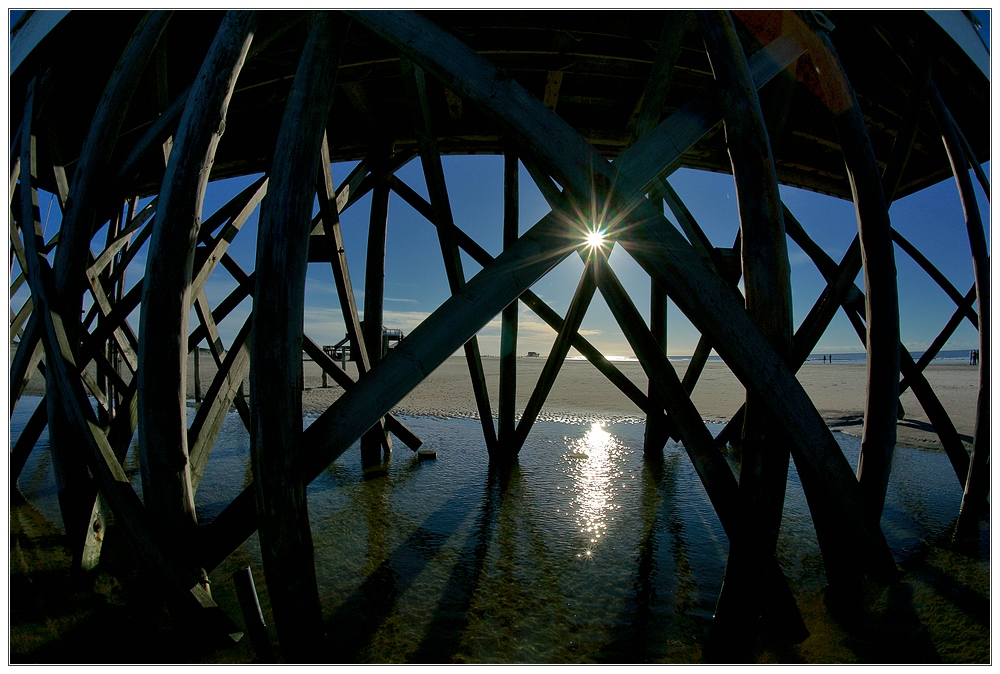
767, 286
977, 486
508, 319
163, 348
275, 398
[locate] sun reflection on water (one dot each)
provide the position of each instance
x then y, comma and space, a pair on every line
595, 466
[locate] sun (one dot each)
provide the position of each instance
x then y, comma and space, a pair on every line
595, 238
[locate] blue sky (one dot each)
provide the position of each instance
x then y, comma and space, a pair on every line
415, 282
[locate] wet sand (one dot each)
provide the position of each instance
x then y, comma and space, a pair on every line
582, 393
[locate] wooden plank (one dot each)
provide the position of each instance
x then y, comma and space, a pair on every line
557, 354
975, 500
553, 83
168, 492
413, 78
708, 462
277, 439
508, 319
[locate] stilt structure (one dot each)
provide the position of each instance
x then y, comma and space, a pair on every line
126, 117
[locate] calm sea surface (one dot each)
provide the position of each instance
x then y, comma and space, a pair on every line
581, 554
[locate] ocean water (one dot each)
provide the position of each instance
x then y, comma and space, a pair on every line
581, 553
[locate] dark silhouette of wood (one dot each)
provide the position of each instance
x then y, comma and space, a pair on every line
560, 349
276, 379
413, 78
86, 200
166, 303
508, 319
882, 305
767, 286
977, 486
709, 463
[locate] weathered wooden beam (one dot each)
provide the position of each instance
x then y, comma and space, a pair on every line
975, 502
657, 432
338, 261
413, 77
655, 153
166, 302
557, 354
69, 468
123, 239
276, 440
225, 307
947, 331
566, 156
767, 287
508, 319
243, 206
902, 146
970, 156
553, 83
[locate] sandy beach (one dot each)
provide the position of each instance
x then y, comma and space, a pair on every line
582, 393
